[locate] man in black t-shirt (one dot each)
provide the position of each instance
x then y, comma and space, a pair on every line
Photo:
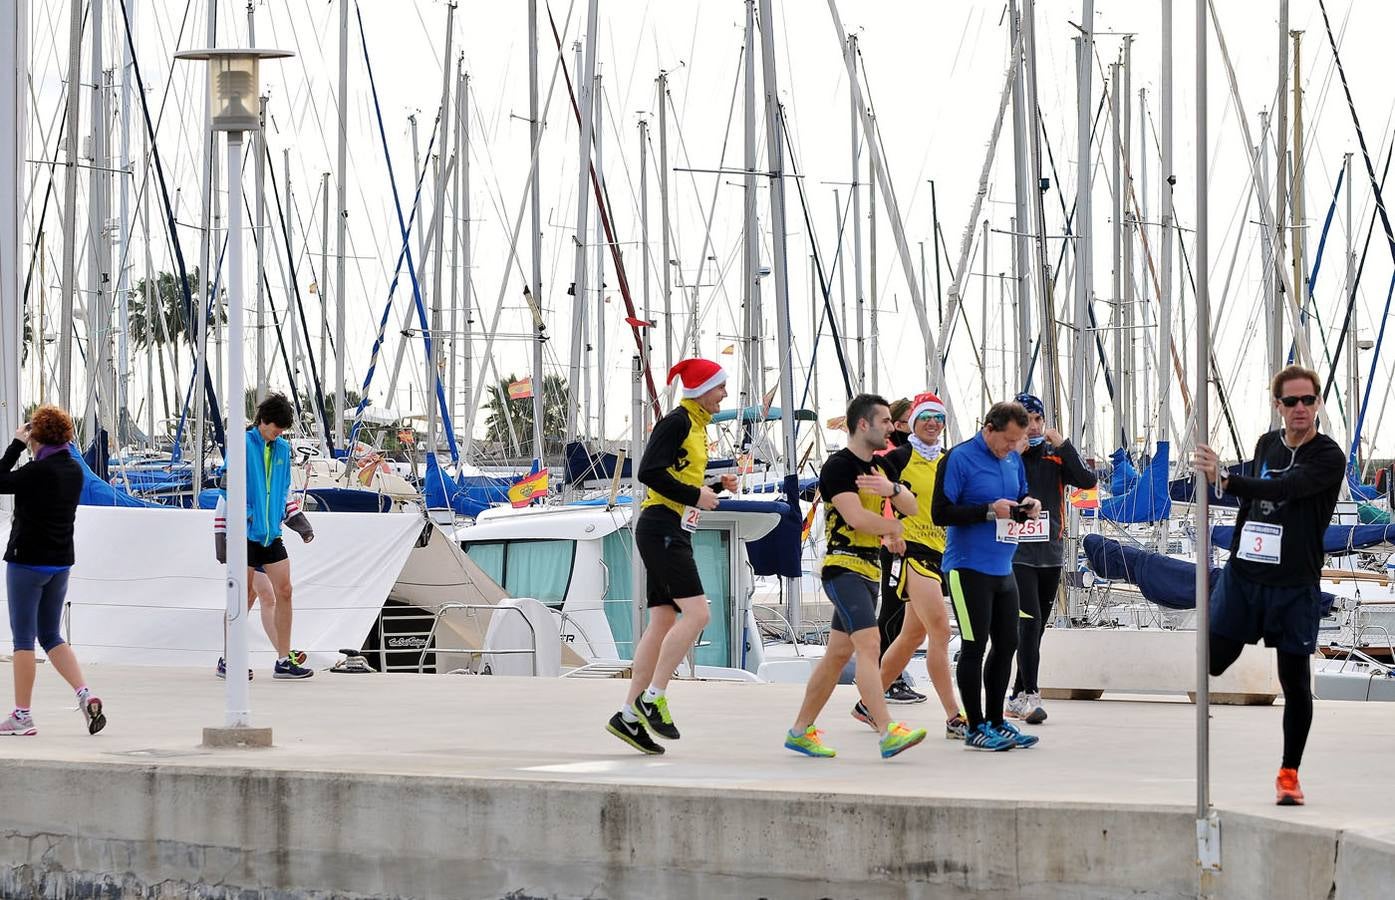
1269, 587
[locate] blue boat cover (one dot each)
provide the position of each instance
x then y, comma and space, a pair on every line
96, 492
1360, 491
1124, 476
1148, 499
1161, 579
468, 495
1338, 540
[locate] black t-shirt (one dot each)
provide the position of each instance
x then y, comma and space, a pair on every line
1295, 489
846, 547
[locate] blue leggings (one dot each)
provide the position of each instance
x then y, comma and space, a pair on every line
36, 606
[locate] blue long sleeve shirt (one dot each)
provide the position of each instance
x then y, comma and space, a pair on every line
969, 480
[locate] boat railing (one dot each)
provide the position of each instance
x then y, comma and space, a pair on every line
429, 636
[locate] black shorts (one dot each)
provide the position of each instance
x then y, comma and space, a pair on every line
259, 555
667, 552
1286, 618
924, 561
854, 599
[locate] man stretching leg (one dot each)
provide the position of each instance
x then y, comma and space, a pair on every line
853, 485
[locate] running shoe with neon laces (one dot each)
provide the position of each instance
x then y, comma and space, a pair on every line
1019, 739
298, 657
957, 728
92, 714
809, 743
860, 713
656, 716
899, 738
984, 737
288, 670
1286, 788
18, 726
634, 734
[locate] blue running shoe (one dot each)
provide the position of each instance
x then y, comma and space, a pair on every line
1009, 731
984, 737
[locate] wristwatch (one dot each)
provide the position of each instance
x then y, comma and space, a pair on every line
895, 489
990, 515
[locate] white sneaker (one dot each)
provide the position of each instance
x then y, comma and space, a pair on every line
1034, 715
14, 726
1017, 707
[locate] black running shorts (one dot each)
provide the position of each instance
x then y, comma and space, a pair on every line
259, 555
667, 552
922, 560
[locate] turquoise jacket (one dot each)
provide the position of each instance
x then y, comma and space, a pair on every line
268, 486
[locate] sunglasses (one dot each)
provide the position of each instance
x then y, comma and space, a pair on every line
1306, 400
933, 417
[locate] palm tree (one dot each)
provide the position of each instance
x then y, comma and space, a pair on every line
170, 323
500, 411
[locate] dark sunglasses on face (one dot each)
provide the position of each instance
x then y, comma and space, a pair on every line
1306, 400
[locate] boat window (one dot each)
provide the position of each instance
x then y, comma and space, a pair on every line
618, 552
538, 569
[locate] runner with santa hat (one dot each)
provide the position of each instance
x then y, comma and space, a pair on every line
673, 469
915, 574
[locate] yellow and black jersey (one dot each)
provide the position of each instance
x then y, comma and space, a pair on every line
674, 466
846, 547
917, 475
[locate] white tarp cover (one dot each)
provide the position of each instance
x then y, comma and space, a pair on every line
147, 589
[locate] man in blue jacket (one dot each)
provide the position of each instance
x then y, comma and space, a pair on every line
981, 499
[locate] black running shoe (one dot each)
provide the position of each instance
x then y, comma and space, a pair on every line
900, 692
634, 734
656, 716
92, 713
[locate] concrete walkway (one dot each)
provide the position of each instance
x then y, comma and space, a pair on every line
1112, 753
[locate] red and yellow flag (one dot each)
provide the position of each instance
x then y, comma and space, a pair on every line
1085, 498
522, 389
527, 489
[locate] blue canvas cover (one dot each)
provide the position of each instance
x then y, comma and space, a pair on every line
96, 492
1148, 500
1338, 540
1124, 476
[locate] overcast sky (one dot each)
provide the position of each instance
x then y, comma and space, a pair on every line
934, 73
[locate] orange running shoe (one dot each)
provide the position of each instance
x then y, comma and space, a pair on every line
1287, 789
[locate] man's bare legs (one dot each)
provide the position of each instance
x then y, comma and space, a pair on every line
661, 621
265, 594
865, 644
680, 639
279, 575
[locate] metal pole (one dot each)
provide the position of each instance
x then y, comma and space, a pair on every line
123, 275
456, 215
1021, 240
854, 136
291, 319
663, 225
237, 695
152, 304
583, 207
14, 56
1128, 363
1353, 369
598, 101
535, 205
1207, 825
1049, 390
935, 245
436, 360
638, 412
1276, 312
341, 223
751, 376
467, 275
203, 295
70, 173
983, 332
1142, 225
322, 275
1298, 206
1169, 179
1115, 304
644, 237
775, 150
1082, 375
98, 320
259, 239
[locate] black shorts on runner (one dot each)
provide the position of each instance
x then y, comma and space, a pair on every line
854, 599
667, 552
922, 560
1286, 618
259, 555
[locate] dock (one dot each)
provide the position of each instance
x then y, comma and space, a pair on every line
490, 787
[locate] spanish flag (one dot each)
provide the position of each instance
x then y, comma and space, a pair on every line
809, 519
521, 389
1085, 498
526, 489
729, 350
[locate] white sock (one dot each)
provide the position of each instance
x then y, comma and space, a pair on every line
83, 693
21, 712
627, 712
652, 693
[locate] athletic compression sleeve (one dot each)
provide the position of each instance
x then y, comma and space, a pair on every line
943, 508
661, 453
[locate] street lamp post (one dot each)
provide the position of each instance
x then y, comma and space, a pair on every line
235, 108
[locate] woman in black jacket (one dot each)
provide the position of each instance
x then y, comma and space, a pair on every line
38, 557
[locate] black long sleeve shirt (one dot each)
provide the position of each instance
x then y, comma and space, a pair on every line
46, 495
1049, 470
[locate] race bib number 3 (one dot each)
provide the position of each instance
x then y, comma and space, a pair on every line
1261, 543
691, 517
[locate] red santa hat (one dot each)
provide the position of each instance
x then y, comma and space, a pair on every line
697, 376
926, 403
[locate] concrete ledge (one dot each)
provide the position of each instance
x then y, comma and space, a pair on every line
225, 738
1077, 660
165, 831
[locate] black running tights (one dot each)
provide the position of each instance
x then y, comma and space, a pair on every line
1036, 592
986, 609
891, 614
1297, 682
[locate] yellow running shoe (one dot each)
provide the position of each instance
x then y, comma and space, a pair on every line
899, 738
809, 744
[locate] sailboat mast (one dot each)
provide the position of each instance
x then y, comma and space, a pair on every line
583, 206
666, 252
1116, 298
1082, 372
535, 236
1021, 239
598, 103
123, 276
1168, 179
341, 222
70, 173
14, 31
1353, 405
1276, 311
854, 135
205, 280
1298, 206
98, 249
1127, 222
436, 360
751, 375
259, 185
